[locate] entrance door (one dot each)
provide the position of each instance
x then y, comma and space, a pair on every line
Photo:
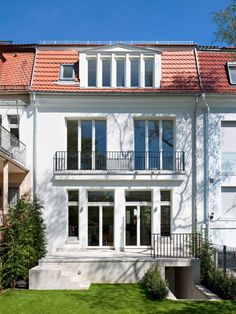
100, 225
138, 225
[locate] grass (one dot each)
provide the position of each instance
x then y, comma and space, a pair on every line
103, 299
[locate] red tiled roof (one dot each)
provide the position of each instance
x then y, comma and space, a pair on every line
214, 73
178, 73
16, 70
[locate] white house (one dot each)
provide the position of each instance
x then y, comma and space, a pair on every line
124, 144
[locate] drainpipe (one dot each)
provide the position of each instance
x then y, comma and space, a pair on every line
34, 180
205, 148
33, 103
206, 165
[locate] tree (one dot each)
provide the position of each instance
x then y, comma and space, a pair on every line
225, 21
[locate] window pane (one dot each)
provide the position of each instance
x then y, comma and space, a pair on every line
92, 72
106, 73
68, 72
72, 145
148, 73
232, 70
108, 226
167, 135
120, 73
145, 225
165, 196
153, 144
134, 72
100, 144
73, 196
138, 196
139, 137
165, 220
93, 226
131, 225
13, 196
73, 221
86, 144
167, 145
107, 196
13, 119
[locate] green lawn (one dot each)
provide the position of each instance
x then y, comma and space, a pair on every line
103, 299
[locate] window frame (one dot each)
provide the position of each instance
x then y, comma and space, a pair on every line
170, 204
229, 65
72, 204
62, 78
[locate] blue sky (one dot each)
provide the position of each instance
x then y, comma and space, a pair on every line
173, 20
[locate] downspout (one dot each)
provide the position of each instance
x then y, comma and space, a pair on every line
205, 148
34, 139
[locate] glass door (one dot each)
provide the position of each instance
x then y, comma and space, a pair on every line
100, 225
93, 225
138, 225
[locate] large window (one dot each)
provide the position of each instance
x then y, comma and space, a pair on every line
13, 121
92, 72
106, 73
73, 213
149, 70
72, 144
138, 218
228, 203
134, 72
228, 134
165, 213
93, 144
154, 144
100, 218
120, 73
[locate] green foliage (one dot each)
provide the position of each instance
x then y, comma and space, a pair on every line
213, 278
154, 285
25, 241
226, 24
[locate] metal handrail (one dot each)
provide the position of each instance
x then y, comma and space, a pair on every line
119, 161
176, 245
12, 146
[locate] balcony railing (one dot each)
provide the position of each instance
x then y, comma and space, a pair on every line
177, 245
11, 146
119, 161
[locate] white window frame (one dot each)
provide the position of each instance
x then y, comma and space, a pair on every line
160, 136
167, 203
229, 65
114, 57
62, 78
76, 204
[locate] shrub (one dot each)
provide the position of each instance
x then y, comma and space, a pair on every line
25, 242
222, 284
153, 284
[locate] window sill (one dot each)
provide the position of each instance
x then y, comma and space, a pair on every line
66, 83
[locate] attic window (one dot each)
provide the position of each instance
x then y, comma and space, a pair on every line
67, 72
232, 72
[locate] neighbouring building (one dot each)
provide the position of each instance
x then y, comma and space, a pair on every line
130, 147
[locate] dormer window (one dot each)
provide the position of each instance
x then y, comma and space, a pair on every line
232, 72
67, 72
120, 66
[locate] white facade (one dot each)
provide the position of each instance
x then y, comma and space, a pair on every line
52, 113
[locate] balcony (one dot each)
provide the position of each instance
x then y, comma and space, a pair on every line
11, 147
115, 161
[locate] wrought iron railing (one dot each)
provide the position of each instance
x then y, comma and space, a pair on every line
177, 245
225, 257
11, 146
119, 161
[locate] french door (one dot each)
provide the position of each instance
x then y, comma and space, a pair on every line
138, 225
101, 225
